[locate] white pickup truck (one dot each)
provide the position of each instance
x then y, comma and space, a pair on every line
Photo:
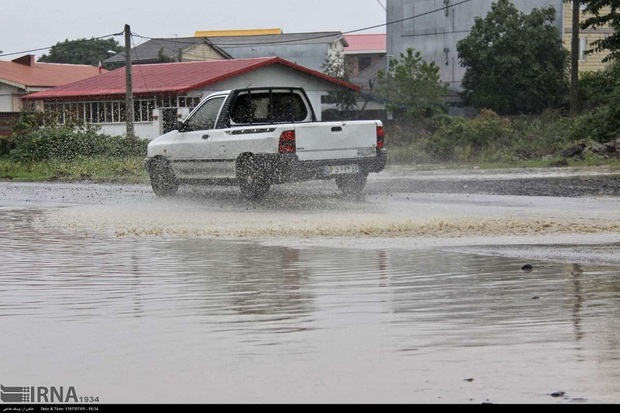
258, 137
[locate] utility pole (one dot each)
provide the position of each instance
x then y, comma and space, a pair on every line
128, 84
389, 113
574, 52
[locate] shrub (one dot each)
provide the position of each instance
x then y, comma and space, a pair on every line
601, 124
65, 144
38, 136
458, 139
540, 136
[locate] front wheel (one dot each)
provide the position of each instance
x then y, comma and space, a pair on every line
352, 184
163, 180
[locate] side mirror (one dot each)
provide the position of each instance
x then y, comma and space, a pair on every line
181, 127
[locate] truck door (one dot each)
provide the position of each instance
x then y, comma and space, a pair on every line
195, 141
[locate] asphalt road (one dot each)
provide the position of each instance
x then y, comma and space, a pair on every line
557, 182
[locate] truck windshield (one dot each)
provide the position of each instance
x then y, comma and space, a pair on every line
268, 107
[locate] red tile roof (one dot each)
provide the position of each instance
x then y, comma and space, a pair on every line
171, 78
366, 43
24, 73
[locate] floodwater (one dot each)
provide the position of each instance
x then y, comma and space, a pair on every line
309, 297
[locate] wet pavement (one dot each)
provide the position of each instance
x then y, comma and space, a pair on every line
311, 297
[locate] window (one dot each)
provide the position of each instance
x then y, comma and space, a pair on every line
101, 112
205, 116
268, 107
583, 44
288, 107
143, 110
244, 109
188, 101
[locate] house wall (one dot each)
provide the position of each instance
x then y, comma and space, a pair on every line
588, 62
353, 61
436, 32
9, 98
201, 52
280, 76
312, 56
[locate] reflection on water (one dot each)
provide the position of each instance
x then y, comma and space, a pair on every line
156, 320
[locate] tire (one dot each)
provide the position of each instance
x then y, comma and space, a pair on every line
163, 180
352, 184
252, 180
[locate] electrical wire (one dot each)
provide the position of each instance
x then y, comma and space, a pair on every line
284, 41
321, 36
47, 48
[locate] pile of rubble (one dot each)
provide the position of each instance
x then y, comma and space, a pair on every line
609, 149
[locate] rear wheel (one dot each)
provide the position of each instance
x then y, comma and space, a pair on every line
252, 180
352, 184
163, 180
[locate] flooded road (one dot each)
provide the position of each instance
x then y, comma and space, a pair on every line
310, 297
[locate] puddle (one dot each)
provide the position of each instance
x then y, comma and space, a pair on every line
180, 317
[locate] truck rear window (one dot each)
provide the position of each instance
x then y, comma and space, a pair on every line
268, 107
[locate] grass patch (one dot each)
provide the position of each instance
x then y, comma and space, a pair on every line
98, 169
414, 156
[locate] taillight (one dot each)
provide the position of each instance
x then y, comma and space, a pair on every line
380, 137
287, 142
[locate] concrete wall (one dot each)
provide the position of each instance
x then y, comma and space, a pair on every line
143, 130
436, 32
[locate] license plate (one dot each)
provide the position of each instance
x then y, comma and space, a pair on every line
341, 169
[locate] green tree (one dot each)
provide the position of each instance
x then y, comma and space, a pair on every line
515, 62
600, 92
411, 86
335, 66
604, 13
597, 88
82, 51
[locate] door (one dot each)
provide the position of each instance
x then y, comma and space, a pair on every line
191, 155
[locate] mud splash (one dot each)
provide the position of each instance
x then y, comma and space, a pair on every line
123, 222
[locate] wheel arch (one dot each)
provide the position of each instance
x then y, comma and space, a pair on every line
155, 159
244, 157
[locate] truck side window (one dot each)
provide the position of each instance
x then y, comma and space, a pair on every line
287, 107
242, 111
267, 107
206, 115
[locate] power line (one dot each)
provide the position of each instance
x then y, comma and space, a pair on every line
275, 41
49, 47
321, 36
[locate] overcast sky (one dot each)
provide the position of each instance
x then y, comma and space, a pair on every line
35, 24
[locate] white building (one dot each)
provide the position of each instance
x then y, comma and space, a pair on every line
434, 27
